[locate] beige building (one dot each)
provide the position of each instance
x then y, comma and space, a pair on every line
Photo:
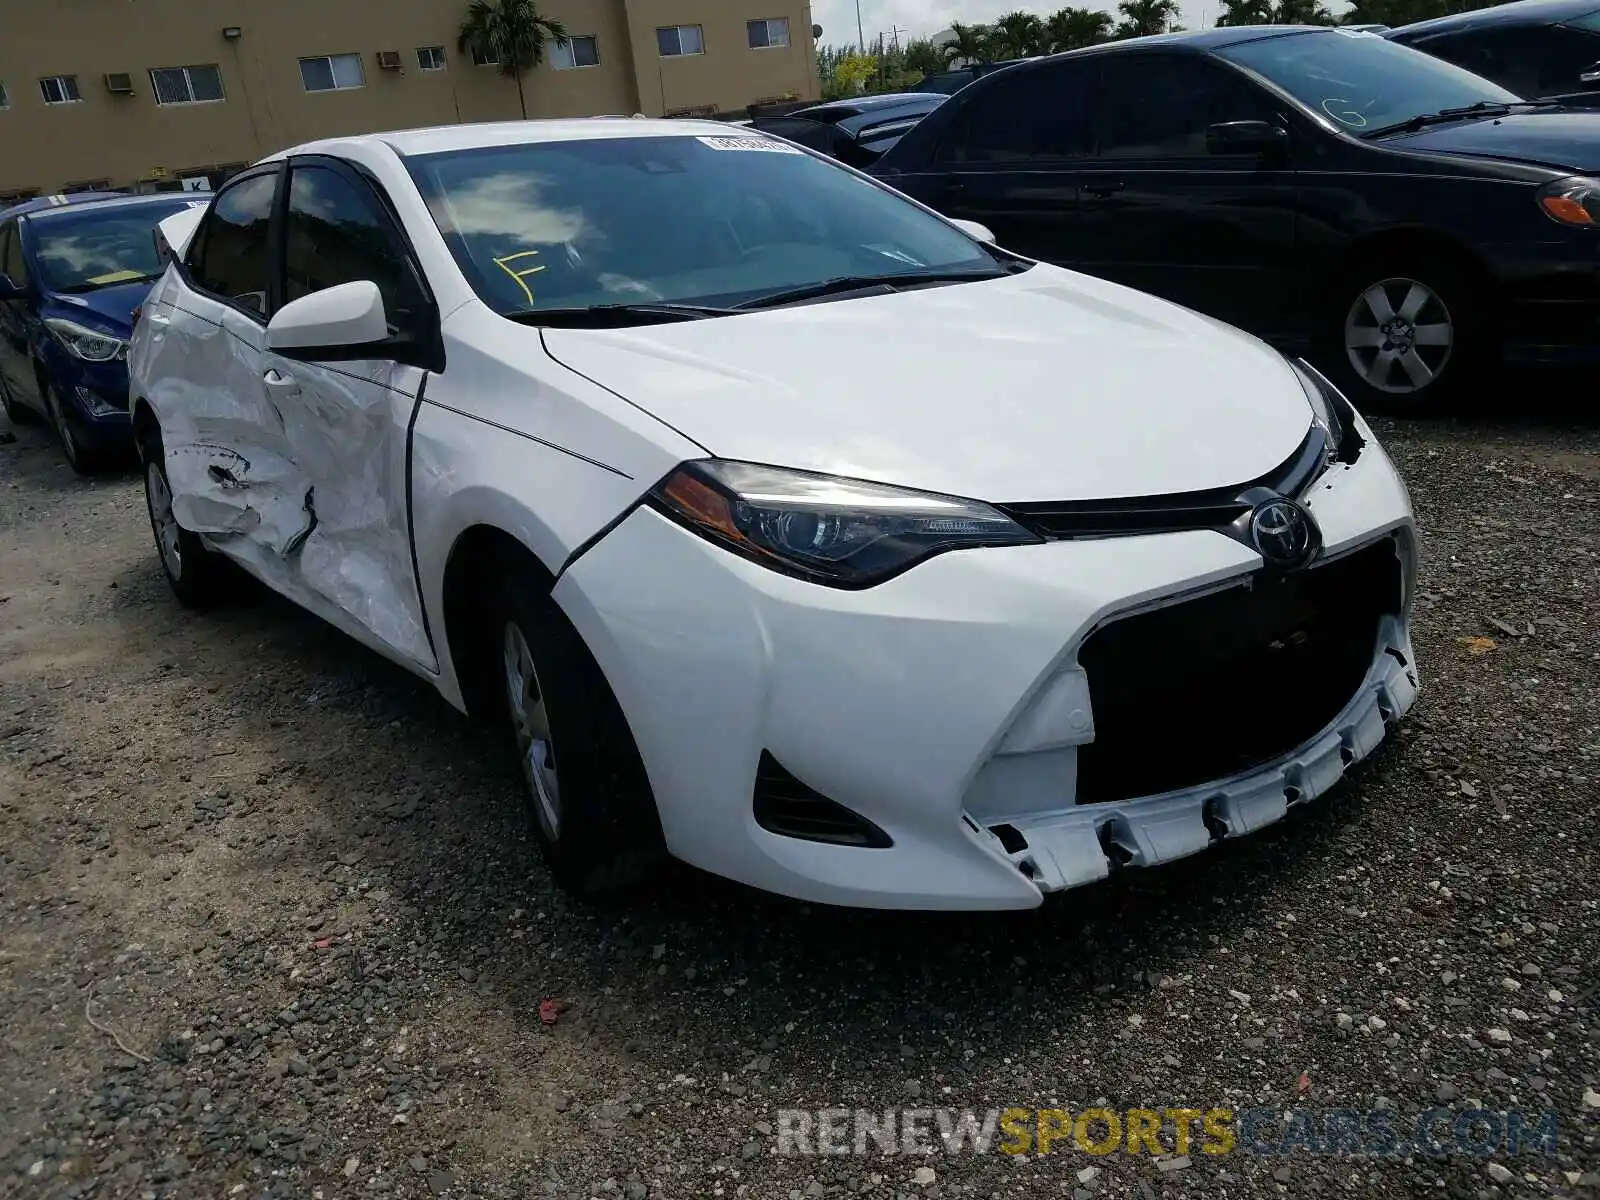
148, 93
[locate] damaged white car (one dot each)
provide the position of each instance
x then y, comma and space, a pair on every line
786, 527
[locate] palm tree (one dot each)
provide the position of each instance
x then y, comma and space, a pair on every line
1074, 28
1246, 12
1017, 35
511, 34
970, 43
1140, 18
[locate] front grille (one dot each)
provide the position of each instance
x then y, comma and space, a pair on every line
785, 806
1211, 687
1214, 509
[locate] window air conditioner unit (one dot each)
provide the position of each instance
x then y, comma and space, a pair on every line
119, 83
389, 60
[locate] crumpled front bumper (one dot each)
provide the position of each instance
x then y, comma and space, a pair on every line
898, 701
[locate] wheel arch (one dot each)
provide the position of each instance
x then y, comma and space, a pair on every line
478, 555
1410, 242
143, 419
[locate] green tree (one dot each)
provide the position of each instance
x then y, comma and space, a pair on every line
922, 57
1017, 35
1141, 18
1246, 12
512, 34
969, 43
1074, 28
1300, 12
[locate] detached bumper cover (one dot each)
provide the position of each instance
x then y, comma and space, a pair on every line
947, 706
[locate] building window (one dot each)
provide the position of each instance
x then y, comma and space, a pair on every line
430, 58
768, 34
483, 58
674, 40
60, 89
575, 52
186, 85
331, 73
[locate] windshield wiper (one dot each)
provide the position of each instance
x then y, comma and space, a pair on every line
1483, 108
853, 283
606, 316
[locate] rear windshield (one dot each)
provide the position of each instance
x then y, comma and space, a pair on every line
99, 247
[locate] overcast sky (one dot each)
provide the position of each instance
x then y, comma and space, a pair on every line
922, 17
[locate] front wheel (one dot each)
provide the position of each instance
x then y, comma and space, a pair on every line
1404, 336
199, 577
83, 459
587, 791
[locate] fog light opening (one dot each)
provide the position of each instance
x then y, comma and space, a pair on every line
1010, 838
1212, 816
1117, 854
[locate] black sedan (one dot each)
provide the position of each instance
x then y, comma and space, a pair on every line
1537, 48
1334, 192
857, 131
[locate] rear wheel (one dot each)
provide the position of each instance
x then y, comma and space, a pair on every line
1404, 335
13, 409
588, 796
199, 577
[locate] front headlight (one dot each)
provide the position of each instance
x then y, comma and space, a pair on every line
88, 344
1331, 411
841, 532
1574, 201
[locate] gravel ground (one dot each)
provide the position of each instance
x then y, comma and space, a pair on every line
293, 891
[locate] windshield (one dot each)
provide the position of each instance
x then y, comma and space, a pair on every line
80, 252
1363, 82
713, 220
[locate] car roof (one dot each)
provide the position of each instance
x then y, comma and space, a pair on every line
1196, 41
444, 138
43, 207
1519, 12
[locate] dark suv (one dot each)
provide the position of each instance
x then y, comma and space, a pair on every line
1333, 192
1536, 48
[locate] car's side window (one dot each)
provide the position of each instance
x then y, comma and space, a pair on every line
1031, 115
232, 255
1159, 106
1510, 57
337, 232
13, 264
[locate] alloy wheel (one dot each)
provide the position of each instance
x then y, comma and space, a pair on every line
1398, 336
530, 720
159, 497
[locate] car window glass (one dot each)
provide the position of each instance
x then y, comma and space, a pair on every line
336, 233
11, 247
82, 248
814, 134
231, 258
1155, 107
1539, 61
1025, 116
713, 219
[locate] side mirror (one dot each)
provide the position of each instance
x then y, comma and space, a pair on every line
1246, 137
11, 291
974, 229
336, 323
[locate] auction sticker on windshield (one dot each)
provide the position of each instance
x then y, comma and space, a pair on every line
747, 143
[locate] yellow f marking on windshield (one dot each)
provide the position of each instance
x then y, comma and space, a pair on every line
520, 274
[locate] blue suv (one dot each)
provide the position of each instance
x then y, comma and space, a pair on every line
73, 271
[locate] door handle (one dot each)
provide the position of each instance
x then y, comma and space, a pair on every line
159, 320
1101, 188
279, 384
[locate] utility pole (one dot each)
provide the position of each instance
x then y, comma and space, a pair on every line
861, 38
894, 34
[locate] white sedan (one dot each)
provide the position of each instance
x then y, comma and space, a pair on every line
785, 527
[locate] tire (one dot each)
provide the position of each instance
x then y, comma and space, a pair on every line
85, 461
200, 578
16, 412
1403, 335
588, 796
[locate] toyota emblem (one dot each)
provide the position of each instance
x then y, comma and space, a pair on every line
1284, 534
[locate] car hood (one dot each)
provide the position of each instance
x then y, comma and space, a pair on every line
1565, 140
110, 308
1046, 385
